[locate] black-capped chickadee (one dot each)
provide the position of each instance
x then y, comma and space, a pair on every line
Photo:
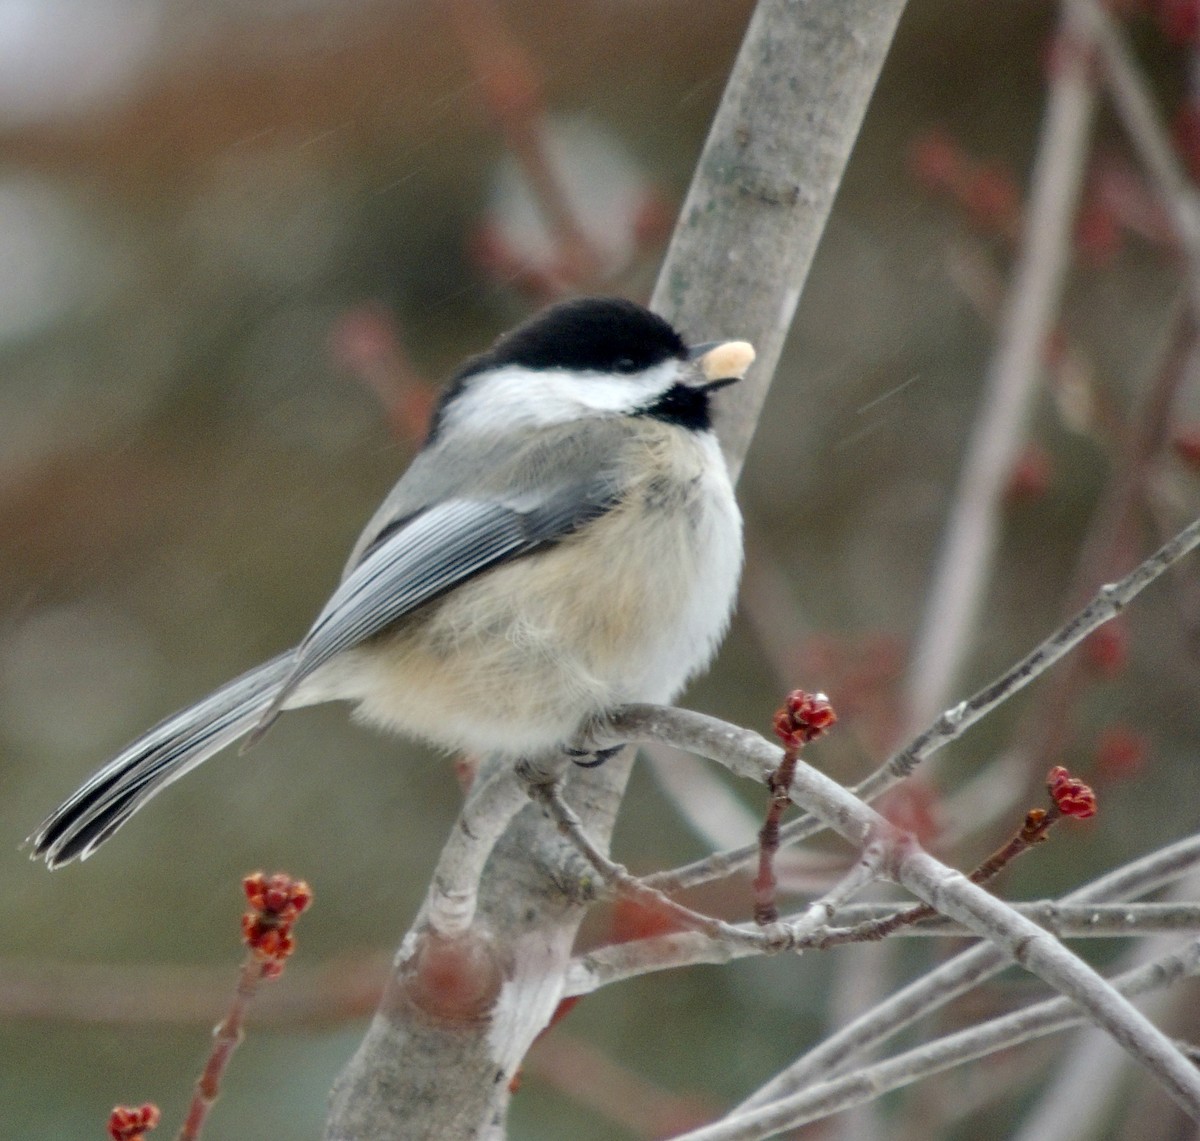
565, 542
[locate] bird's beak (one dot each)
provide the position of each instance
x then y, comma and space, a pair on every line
719, 363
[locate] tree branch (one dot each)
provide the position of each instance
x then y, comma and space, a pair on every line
747, 754
1108, 602
960, 577
872, 1082
1135, 106
961, 974
766, 181
620, 961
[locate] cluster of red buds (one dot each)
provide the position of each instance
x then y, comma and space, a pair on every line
1070, 795
276, 903
804, 717
130, 1123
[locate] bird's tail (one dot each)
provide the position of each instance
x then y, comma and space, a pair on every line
146, 766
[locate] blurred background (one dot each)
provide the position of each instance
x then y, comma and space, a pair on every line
239, 245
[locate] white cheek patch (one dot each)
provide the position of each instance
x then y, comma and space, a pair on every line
515, 397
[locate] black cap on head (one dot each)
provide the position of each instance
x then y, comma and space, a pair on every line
587, 334
591, 334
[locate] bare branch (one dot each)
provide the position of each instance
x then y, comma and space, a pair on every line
961, 575
952, 1050
937, 988
763, 938
619, 961
1109, 601
1146, 131
750, 755
549, 795
1066, 920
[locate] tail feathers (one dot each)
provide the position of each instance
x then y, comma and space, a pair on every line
162, 755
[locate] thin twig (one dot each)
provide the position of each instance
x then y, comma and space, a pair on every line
749, 755
1065, 920
1108, 602
1150, 137
872, 1082
764, 938
1033, 831
963, 567
940, 986
617, 962
765, 908
549, 795
227, 1037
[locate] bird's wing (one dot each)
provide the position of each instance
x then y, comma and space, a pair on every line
419, 558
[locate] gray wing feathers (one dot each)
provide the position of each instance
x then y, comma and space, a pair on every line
518, 468
435, 551
147, 765
432, 553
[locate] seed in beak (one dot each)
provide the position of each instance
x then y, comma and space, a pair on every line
727, 361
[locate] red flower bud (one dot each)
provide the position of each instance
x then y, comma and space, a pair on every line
803, 717
1071, 796
277, 902
130, 1123
278, 895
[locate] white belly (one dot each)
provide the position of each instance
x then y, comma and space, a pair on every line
522, 658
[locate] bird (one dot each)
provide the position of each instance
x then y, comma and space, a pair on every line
565, 541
